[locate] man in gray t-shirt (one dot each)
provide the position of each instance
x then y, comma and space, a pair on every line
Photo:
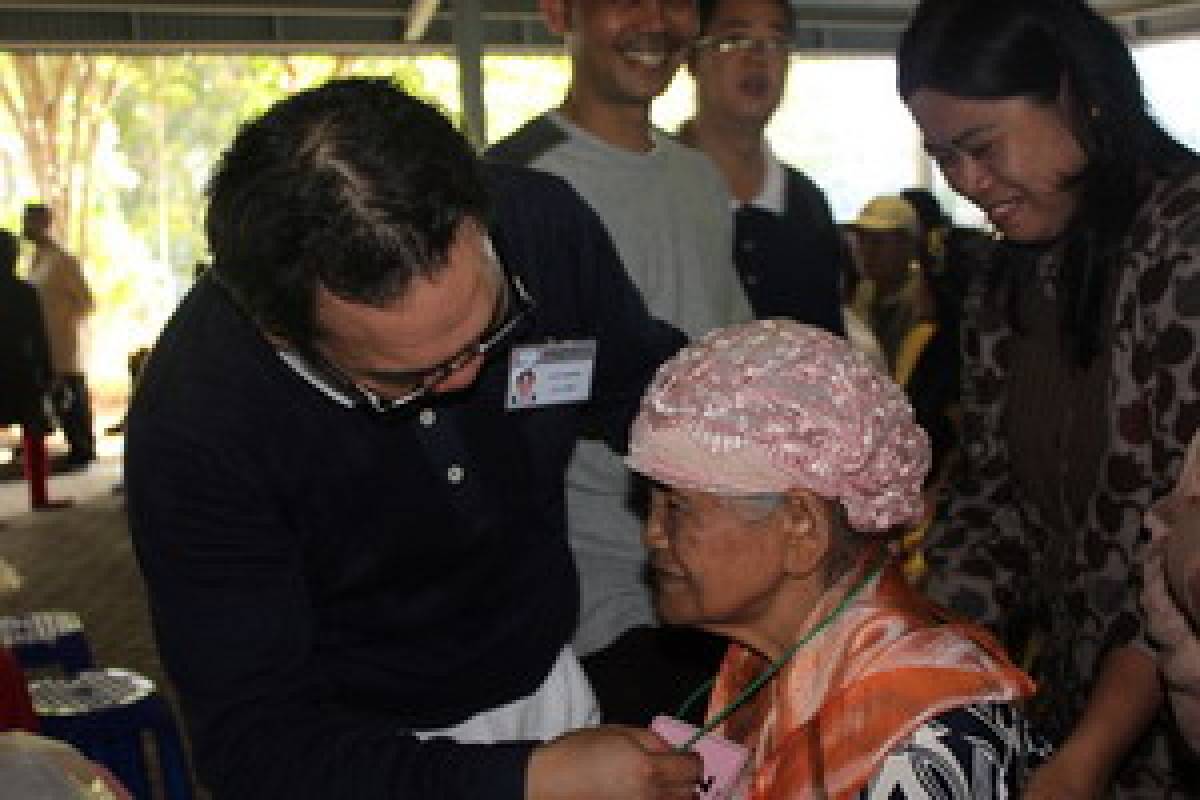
667, 210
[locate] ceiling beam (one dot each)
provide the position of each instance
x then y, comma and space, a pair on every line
419, 17
410, 26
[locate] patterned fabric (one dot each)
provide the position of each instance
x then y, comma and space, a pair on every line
976, 752
991, 554
1171, 609
91, 690
773, 405
889, 663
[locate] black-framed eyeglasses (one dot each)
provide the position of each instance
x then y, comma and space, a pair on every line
741, 43
512, 307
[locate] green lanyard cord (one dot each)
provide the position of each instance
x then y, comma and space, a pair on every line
770, 671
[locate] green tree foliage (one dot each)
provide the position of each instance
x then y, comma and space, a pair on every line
122, 148
58, 104
177, 116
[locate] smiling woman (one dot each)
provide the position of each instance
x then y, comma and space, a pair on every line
783, 463
1082, 347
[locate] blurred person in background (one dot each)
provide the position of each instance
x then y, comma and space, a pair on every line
66, 304
858, 332
667, 210
891, 296
25, 373
786, 245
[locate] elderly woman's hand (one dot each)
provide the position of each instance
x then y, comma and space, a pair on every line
614, 763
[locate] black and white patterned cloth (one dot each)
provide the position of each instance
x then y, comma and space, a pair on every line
38, 626
976, 752
92, 690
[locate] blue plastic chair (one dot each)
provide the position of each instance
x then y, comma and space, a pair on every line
47, 639
107, 715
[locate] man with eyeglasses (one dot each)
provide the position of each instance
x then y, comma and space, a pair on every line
666, 209
355, 553
786, 246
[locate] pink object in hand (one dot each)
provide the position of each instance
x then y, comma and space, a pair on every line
723, 760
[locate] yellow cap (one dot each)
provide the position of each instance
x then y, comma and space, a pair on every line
888, 212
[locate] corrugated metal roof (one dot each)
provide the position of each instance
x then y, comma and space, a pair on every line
840, 25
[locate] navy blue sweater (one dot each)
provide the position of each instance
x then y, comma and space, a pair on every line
318, 586
791, 263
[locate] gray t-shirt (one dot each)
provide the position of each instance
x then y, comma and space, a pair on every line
667, 212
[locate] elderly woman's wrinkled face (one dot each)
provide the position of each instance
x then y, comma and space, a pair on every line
716, 561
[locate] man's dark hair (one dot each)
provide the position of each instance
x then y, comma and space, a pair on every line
932, 217
928, 209
356, 186
707, 9
1037, 49
10, 248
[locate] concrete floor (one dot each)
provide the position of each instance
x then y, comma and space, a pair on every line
79, 559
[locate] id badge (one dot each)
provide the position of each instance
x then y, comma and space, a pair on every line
724, 761
550, 374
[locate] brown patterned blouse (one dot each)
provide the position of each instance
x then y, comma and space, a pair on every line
994, 553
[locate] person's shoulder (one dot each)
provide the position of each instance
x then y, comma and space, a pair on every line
1169, 218
524, 196
505, 178
60, 254
207, 349
950, 746
17, 290
1173, 192
693, 170
55, 257
690, 157
528, 143
24, 288
797, 183
539, 221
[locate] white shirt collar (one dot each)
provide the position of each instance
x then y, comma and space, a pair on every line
773, 195
302, 368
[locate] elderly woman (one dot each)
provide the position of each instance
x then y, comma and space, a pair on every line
783, 463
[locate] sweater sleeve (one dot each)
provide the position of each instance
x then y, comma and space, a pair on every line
975, 751
1165, 357
976, 547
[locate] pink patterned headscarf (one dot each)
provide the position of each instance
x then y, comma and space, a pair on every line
774, 405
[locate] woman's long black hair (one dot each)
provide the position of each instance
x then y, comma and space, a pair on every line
1045, 50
